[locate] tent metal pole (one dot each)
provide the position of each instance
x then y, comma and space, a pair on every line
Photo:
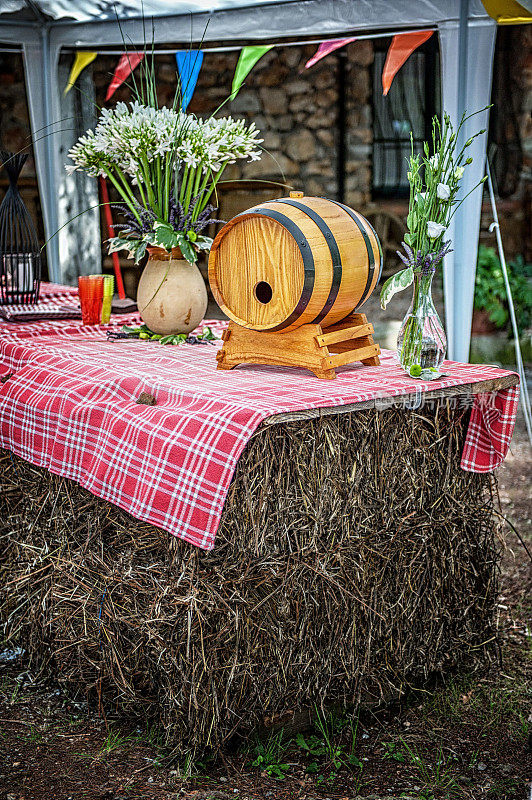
233, 48
502, 258
52, 247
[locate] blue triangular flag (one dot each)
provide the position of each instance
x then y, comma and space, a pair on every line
188, 66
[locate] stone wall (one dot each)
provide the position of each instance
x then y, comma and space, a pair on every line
295, 109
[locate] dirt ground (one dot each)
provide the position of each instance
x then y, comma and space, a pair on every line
470, 738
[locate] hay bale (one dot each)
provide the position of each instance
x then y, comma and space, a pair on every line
354, 559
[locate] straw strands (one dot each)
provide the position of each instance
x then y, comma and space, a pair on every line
354, 559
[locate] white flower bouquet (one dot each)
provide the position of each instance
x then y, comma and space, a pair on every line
165, 165
434, 176
434, 184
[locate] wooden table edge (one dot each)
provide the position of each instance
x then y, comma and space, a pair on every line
480, 387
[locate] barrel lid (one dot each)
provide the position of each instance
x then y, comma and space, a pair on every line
256, 269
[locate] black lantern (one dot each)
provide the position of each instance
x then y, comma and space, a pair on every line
20, 258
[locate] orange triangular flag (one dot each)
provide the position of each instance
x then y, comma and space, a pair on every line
401, 48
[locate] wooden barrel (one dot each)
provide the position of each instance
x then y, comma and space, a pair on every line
293, 261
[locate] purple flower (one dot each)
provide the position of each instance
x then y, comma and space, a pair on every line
421, 264
176, 217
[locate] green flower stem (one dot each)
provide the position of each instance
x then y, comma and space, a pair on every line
197, 181
190, 183
125, 184
166, 189
202, 202
183, 184
413, 334
147, 182
212, 188
122, 194
141, 190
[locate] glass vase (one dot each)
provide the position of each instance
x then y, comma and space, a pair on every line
421, 343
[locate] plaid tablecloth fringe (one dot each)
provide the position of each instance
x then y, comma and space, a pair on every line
68, 402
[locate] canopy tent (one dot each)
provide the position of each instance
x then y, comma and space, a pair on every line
466, 34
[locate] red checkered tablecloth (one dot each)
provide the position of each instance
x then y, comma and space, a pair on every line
70, 405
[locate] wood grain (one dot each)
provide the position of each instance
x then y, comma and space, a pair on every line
253, 248
301, 347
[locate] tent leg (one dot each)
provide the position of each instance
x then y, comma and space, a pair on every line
39, 64
465, 83
518, 357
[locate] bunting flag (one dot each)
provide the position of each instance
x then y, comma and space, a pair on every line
188, 66
128, 62
508, 12
82, 60
327, 47
247, 60
401, 48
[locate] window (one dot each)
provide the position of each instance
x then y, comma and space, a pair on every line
412, 101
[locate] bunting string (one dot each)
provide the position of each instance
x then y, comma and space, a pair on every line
189, 62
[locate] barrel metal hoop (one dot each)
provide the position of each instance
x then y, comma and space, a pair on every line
371, 258
306, 254
379, 246
333, 249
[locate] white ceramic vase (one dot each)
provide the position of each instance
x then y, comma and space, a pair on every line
171, 296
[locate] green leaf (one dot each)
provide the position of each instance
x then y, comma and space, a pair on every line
186, 248
116, 243
401, 280
411, 220
408, 238
207, 334
165, 236
141, 251
203, 242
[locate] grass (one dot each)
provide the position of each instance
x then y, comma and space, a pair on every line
326, 751
270, 755
470, 702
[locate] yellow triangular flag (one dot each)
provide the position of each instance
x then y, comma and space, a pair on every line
507, 12
82, 60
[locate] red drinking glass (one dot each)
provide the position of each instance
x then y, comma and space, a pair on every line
91, 298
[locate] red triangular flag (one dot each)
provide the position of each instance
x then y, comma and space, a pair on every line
124, 68
401, 48
327, 47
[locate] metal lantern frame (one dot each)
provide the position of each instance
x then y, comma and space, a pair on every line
20, 257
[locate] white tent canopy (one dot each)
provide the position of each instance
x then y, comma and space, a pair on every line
466, 35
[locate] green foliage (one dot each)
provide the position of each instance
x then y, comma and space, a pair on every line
324, 747
435, 177
505, 704
269, 756
490, 289
143, 332
401, 280
164, 236
394, 752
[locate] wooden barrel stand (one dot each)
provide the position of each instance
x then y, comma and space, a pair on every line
318, 349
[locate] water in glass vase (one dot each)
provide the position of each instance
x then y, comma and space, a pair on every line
421, 343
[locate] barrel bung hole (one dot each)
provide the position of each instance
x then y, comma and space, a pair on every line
263, 292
